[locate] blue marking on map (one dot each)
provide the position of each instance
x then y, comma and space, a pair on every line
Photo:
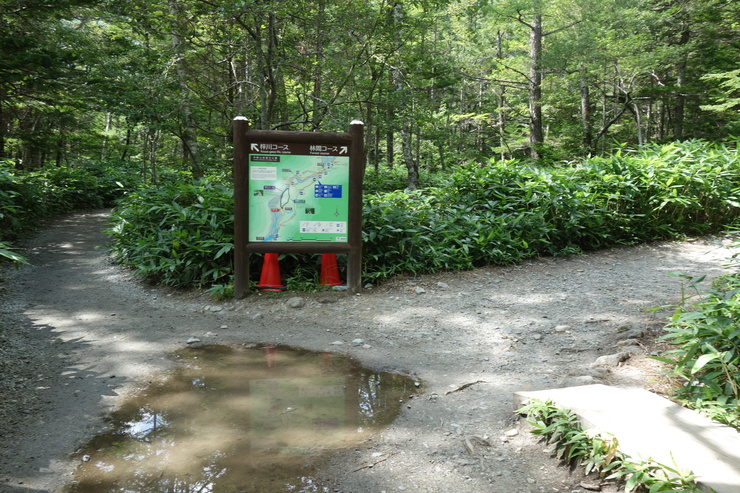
327, 191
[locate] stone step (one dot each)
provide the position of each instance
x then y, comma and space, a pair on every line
650, 426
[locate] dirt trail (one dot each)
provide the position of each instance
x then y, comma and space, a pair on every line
80, 334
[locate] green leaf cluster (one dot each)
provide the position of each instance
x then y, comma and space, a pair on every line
179, 234
704, 332
502, 212
436, 82
570, 443
507, 211
599, 454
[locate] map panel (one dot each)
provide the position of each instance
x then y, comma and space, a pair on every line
298, 197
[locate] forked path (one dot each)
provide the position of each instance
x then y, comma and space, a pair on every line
79, 335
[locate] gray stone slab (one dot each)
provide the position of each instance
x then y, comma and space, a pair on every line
650, 426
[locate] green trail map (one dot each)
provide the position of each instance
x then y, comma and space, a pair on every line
298, 198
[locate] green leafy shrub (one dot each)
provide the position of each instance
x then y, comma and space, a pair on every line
6, 253
384, 180
472, 215
677, 189
180, 234
23, 203
705, 357
505, 212
570, 443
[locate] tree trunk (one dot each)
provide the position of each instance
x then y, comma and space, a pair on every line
32, 155
3, 131
60, 151
376, 148
262, 70
104, 146
406, 130
319, 108
124, 153
408, 156
239, 76
678, 121
635, 108
586, 123
274, 73
442, 157
154, 141
536, 136
501, 102
263, 64
389, 144
268, 77
188, 136
406, 136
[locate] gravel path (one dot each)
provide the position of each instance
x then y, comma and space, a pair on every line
79, 335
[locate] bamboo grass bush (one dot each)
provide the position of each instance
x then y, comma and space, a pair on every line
704, 358
505, 212
499, 212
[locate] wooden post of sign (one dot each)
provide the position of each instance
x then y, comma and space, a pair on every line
356, 176
241, 181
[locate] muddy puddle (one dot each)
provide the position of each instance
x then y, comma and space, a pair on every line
240, 418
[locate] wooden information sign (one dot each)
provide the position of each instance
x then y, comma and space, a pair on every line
297, 192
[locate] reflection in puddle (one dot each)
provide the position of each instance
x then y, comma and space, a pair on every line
240, 418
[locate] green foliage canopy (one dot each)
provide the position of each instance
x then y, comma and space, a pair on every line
436, 82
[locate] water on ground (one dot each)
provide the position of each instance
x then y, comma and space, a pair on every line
240, 418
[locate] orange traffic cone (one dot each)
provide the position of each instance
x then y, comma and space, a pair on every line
329, 270
270, 278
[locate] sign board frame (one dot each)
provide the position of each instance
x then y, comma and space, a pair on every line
274, 142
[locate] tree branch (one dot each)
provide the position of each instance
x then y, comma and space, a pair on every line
561, 28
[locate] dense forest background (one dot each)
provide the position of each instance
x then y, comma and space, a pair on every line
436, 82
